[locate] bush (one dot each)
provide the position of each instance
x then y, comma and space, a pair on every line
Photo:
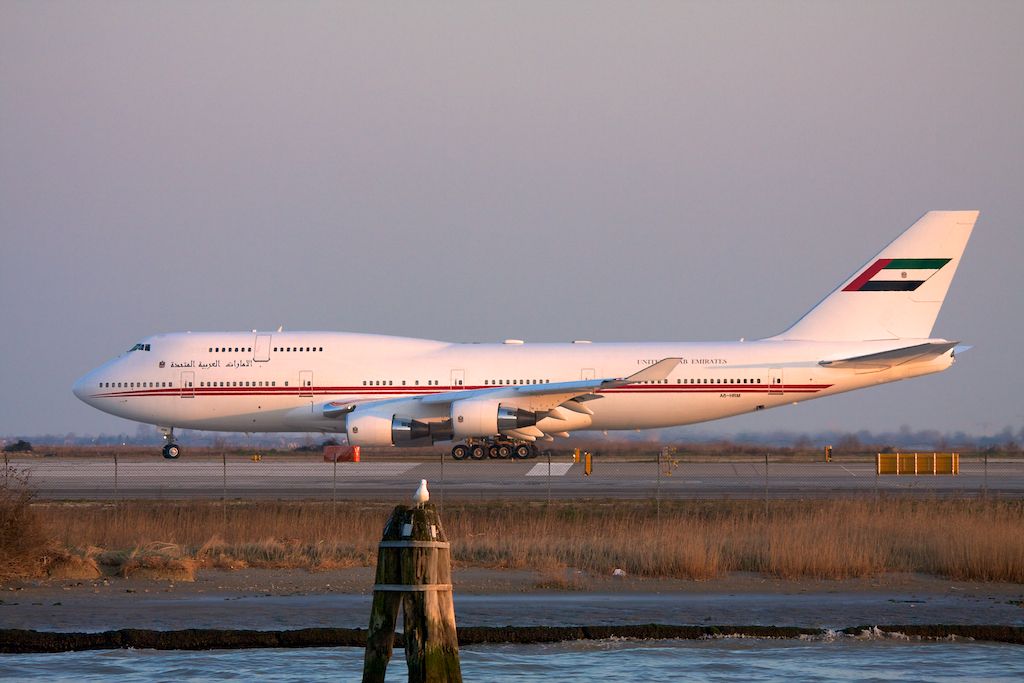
23, 546
19, 446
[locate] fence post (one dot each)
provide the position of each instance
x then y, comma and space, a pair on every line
414, 570
878, 471
766, 484
984, 487
117, 494
224, 490
657, 490
334, 481
549, 476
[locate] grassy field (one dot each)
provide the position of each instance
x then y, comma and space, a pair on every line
822, 539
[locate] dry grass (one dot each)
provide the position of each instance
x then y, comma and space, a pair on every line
827, 539
73, 564
159, 561
23, 541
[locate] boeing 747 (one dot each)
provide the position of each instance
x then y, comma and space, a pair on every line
500, 399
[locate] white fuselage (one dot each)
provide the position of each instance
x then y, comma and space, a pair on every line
267, 382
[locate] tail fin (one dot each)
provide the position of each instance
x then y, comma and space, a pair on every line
897, 294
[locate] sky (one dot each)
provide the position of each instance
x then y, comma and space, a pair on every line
475, 171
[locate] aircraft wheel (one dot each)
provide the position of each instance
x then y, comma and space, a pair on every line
172, 451
504, 451
477, 452
460, 452
522, 451
492, 451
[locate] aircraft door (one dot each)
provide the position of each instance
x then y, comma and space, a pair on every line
306, 383
188, 382
458, 380
261, 349
775, 386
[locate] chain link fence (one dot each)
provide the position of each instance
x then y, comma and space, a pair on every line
655, 473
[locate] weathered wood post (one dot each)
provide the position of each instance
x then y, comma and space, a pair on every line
414, 569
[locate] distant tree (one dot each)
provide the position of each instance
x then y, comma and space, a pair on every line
19, 446
849, 443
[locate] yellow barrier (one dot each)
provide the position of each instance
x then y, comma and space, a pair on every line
917, 463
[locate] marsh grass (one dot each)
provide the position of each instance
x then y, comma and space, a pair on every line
821, 539
24, 545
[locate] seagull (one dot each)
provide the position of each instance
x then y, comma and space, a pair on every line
422, 495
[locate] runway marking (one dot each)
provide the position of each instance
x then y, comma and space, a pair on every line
558, 469
848, 471
374, 469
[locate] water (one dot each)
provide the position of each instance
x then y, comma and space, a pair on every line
727, 659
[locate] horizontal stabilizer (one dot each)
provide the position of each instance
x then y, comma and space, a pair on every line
888, 359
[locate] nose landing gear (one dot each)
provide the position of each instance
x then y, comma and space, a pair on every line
171, 450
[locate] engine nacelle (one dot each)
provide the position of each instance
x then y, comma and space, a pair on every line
476, 417
373, 428
369, 428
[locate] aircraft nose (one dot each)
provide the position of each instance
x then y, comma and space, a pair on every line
79, 388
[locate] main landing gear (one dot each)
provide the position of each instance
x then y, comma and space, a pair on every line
171, 450
496, 449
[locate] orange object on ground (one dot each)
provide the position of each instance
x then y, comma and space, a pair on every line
341, 453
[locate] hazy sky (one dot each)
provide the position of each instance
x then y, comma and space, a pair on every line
477, 171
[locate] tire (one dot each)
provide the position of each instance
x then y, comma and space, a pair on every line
492, 452
504, 451
477, 452
460, 452
522, 451
172, 451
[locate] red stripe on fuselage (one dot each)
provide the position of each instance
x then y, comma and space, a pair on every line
426, 391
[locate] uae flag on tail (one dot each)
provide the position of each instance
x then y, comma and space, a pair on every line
896, 274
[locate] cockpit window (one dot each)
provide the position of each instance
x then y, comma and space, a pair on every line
139, 347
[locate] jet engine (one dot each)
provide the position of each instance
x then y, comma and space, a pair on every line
485, 417
373, 428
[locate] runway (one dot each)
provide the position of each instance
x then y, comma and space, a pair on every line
299, 477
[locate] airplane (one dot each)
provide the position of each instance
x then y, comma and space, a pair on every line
501, 399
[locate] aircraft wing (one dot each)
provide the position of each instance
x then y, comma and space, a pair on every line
651, 373
533, 397
888, 359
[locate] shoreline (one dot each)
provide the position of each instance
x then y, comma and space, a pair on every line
274, 599
18, 641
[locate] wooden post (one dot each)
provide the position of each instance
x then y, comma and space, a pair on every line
414, 569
